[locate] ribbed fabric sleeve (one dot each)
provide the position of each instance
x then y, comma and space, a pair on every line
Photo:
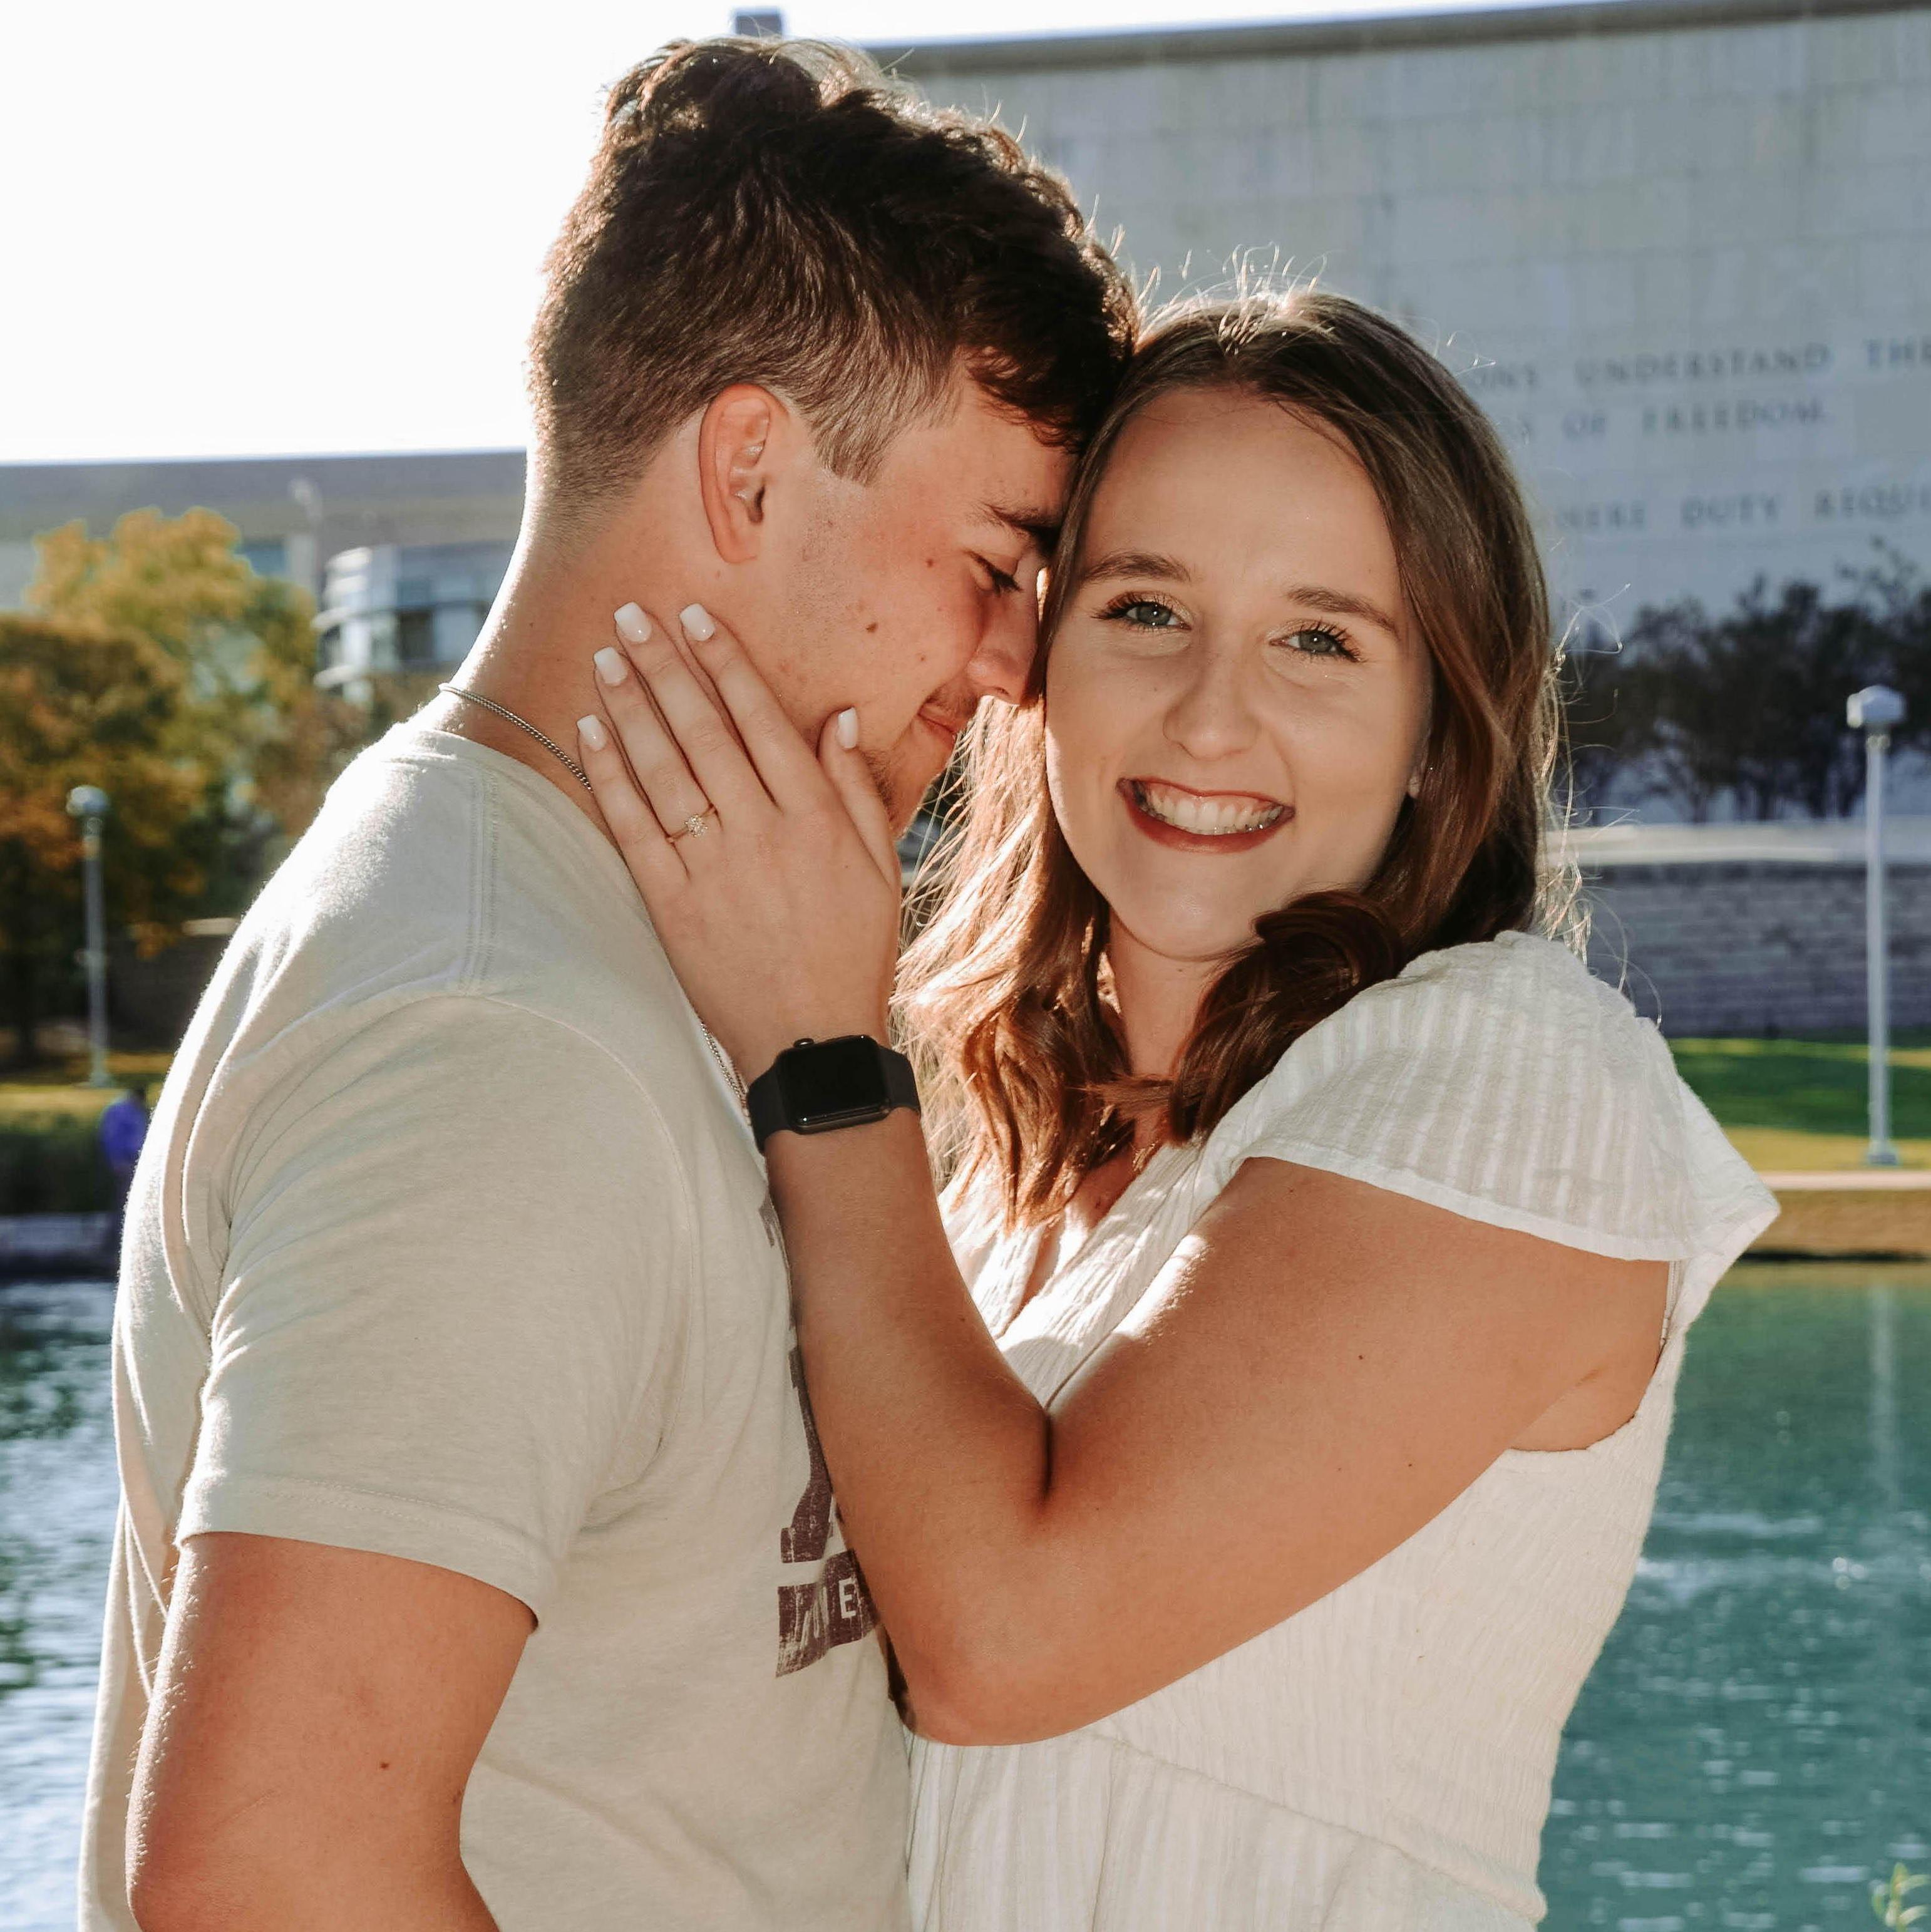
1500, 1082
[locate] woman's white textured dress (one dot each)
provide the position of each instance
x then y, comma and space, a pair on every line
1381, 1762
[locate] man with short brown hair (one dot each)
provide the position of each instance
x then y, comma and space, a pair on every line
476, 1566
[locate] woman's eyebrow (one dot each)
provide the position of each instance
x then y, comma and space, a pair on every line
1134, 563
1340, 604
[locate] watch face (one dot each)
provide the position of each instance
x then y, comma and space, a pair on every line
832, 1082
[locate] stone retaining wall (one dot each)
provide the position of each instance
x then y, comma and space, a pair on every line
1756, 947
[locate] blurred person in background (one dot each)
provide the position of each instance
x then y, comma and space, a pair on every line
124, 1126
476, 1566
1251, 1455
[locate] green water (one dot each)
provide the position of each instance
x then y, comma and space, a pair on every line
57, 1497
1754, 1746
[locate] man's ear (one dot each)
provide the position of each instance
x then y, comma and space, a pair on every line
744, 438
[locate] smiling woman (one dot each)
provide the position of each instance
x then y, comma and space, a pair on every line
1297, 622
1248, 1462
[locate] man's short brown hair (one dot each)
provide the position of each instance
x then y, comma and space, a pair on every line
777, 212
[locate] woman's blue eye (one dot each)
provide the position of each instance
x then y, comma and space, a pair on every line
1317, 640
1144, 613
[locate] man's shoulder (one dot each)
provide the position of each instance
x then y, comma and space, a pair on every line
385, 885
436, 866
443, 898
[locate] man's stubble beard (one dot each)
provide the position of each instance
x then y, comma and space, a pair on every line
899, 813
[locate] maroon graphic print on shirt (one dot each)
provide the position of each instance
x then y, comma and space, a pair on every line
834, 1607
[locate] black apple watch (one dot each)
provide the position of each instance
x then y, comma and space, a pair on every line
818, 1085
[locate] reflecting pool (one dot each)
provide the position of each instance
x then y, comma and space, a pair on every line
1755, 1744
1754, 1747
57, 1497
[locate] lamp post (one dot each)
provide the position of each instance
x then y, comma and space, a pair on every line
1876, 712
88, 804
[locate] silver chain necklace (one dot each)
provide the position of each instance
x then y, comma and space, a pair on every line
582, 778
508, 716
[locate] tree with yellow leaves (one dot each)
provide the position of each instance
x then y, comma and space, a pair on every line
155, 663
81, 706
246, 643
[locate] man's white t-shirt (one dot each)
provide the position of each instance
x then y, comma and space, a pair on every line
450, 1242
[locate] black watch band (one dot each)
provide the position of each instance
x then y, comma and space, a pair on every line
819, 1084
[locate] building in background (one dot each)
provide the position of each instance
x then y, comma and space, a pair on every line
1681, 249
403, 606
403, 554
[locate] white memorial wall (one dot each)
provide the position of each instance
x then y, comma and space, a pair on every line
1682, 253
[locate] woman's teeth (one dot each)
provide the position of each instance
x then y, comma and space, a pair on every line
1209, 817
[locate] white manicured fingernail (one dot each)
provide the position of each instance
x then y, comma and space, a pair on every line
610, 665
696, 622
848, 729
591, 730
633, 626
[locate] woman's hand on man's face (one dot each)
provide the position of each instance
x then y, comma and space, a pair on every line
769, 872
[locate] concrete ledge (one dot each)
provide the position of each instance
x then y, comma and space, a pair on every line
1872, 1214
1865, 1214
1746, 846
56, 1247
1851, 1180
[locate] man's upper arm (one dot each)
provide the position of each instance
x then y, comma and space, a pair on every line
449, 1316
315, 1719
446, 1323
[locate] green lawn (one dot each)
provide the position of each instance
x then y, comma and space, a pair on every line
49, 1156
1787, 1103
1800, 1103
56, 1091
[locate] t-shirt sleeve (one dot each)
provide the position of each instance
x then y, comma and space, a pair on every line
1500, 1082
450, 1314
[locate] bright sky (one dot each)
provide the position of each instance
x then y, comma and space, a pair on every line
239, 228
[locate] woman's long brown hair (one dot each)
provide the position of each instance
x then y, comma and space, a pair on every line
1005, 995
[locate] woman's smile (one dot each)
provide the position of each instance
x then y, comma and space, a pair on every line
1197, 821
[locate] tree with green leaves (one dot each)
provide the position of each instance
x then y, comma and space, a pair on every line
1899, 594
1608, 718
1747, 706
1752, 703
155, 663
86, 706
253, 720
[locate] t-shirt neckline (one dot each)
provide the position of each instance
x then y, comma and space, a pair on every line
406, 737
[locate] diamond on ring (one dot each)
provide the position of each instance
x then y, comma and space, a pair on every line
696, 825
